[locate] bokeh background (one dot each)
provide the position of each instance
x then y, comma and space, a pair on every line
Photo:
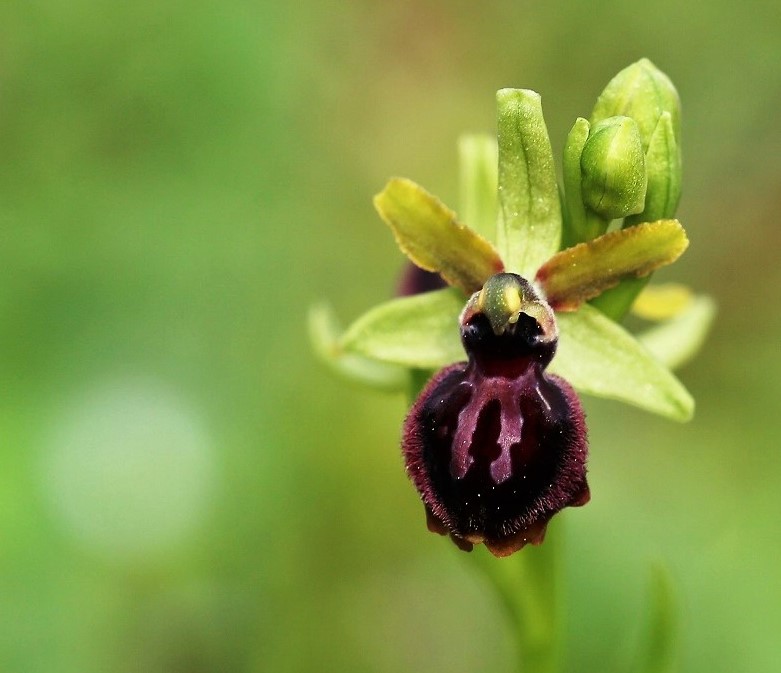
183, 488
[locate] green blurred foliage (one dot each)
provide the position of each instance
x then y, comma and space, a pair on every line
179, 181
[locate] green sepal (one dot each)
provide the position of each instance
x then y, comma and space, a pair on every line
584, 271
678, 340
598, 357
420, 331
325, 334
529, 229
427, 232
477, 161
663, 168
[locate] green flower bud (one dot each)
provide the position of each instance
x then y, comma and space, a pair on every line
663, 166
613, 169
642, 92
646, 95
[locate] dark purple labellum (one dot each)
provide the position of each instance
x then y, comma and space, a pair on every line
496, 446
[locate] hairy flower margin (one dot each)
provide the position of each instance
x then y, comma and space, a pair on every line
497, 445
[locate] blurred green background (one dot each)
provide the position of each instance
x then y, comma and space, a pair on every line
184, 489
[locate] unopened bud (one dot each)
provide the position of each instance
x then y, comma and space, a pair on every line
613, 169
663, 167
643, 92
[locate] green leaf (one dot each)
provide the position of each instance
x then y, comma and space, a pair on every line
324, 334
428, 233
677, 341
530, 223
598, 357
420, 331
584, 271
477, 156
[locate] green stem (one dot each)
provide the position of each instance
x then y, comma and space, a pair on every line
616, 302
526, 586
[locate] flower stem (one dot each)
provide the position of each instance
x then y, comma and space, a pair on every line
526, 585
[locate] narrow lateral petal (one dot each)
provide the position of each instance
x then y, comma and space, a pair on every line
324, 334
584, 271
429, 234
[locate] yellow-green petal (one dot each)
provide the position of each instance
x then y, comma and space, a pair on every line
428, 233
579, 224
584, 271
613, 169
643, 92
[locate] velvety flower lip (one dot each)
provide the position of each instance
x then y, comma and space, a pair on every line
496, 446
